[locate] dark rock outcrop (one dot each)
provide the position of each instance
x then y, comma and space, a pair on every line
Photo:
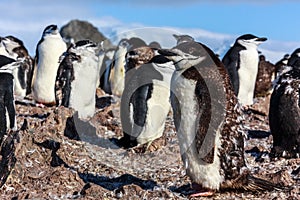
80, 30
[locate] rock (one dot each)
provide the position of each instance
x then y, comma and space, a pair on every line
47, 164
261, 106
77, 30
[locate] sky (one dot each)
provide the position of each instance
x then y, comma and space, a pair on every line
276, 20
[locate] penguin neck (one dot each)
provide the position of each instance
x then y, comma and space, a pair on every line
247, 45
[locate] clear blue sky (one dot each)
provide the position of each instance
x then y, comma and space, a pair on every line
277, 20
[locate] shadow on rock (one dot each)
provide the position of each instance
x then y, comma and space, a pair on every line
257, 154
258, 134
54, 146
118, 182
183, 190
78, 129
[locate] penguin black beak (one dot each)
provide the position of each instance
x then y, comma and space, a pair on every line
166, 52
54, 27
262, 39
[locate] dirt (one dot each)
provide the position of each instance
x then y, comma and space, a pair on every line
47, 159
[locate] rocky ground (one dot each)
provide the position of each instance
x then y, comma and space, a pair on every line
45, 159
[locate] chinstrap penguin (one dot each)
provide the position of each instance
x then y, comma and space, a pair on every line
208, 122
241, 62
48, 51
77, 78
105, 69
183, 38
117, 68
145, 102
7, 103
284, 113
23, 74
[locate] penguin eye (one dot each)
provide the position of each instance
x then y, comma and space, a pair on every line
132, 53
124, 44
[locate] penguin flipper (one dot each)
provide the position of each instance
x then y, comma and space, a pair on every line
10, 105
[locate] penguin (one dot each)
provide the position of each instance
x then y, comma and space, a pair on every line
104, 69
48, 50
265, 77
155, 45
145, 102
77, 78
241, 62
23, 74
284, 112
208, 121
117, 68
7, 104
183, 38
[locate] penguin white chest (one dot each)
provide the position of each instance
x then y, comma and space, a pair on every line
184, 103
82, 97
117, 78
247, 75
18, 89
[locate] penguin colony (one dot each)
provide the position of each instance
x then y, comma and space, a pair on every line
189, 78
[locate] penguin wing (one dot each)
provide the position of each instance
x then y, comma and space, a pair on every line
205, 140
30, 66
111, 71
145, 75
9, 100
139, 101
64, 77
37, 51
231, 61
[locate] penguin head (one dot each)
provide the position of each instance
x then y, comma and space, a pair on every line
183, 38
184, 55
138, 57
155, 45
136, 42
76, 50
15, 47
85, 44
124, 44
294, 60
50, 30
145, 54
249, 40
11, 42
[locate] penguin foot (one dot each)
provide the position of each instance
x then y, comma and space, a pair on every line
151, 146
156, 144
201, 192
40, 105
